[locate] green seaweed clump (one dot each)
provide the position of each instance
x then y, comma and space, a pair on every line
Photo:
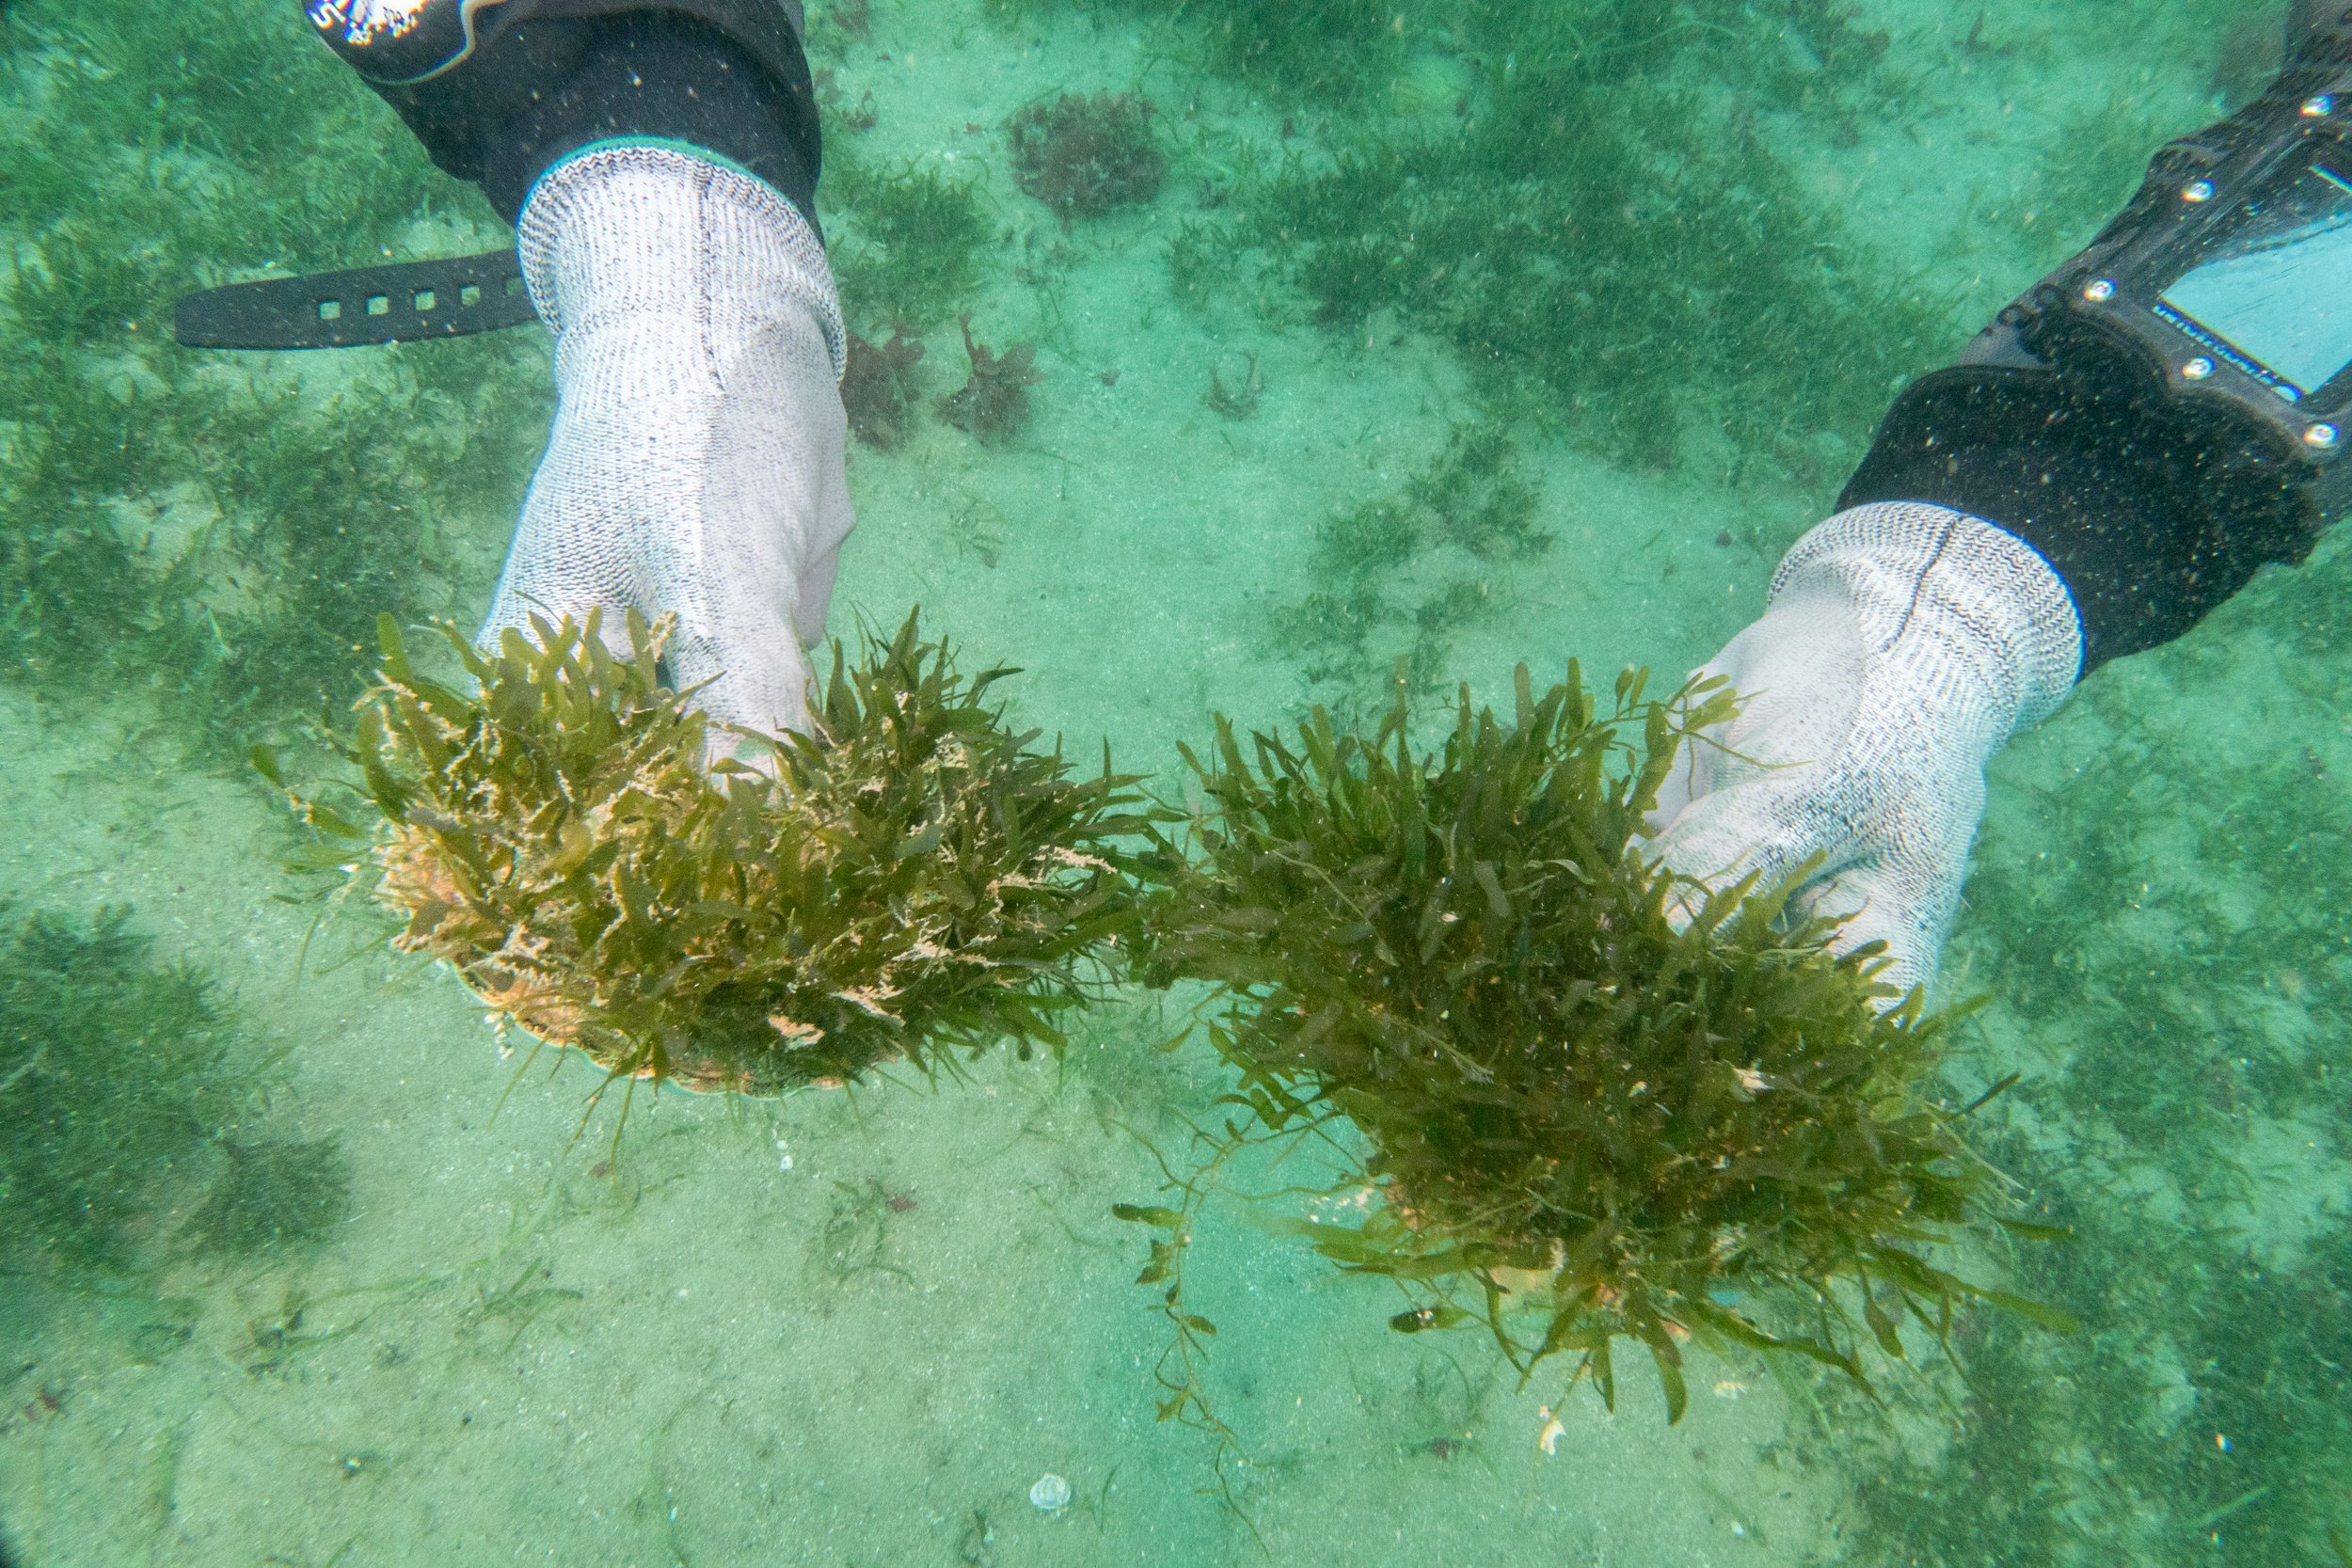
195, 531
1403, 572
913, 240
913, 877
1606, 260
1594, 1099
116, 1073
274, 1194
1472, 496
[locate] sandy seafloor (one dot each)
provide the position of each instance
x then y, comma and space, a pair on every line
734, 1350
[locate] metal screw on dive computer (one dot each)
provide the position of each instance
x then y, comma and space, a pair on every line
2319, 107
2197, 190
2321, 436
2197, 368
2099, 289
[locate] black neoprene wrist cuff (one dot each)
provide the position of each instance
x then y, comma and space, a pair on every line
654, 73
2149, 515
536, 91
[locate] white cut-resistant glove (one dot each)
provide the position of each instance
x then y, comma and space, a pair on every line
695, 463
1902, 644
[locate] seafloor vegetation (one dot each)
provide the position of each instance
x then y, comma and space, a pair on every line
1565, 194
1611, 218
907, 243
219, 532
1409, 569
2158, 915
132, 1125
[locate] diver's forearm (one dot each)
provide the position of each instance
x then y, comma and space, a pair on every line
499, 90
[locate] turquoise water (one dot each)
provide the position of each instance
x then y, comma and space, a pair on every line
345, 1289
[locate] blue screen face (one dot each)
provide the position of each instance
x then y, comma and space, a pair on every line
2278, 287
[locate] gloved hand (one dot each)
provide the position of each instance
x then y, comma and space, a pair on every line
1902, 644
695, 463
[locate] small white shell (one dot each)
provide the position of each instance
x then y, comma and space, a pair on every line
1049, 1493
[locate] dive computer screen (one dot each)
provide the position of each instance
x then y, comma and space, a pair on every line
2273, 293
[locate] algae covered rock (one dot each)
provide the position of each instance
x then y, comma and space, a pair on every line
913, 878
1581, 1098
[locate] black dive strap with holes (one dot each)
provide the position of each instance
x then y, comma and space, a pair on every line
501, 91
400, 302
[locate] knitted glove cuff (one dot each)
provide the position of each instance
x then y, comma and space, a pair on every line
641, 225
1961, 601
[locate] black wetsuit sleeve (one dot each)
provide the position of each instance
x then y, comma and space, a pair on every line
2149, 516
536, 91
2151, 507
